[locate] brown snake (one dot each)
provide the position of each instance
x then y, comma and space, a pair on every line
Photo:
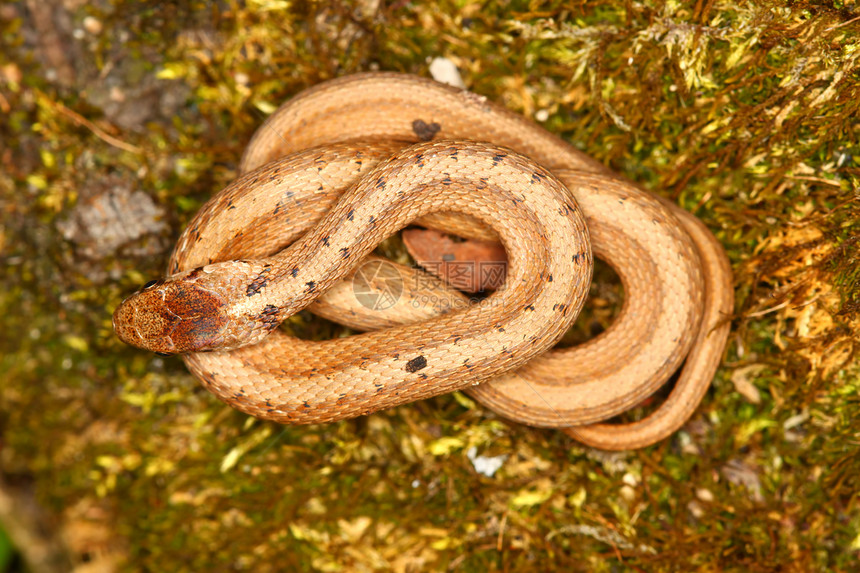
285, 235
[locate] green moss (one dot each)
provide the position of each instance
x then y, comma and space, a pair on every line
745, 113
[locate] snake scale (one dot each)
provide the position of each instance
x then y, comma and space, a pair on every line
345, 164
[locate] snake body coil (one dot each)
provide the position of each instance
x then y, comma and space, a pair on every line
340, 167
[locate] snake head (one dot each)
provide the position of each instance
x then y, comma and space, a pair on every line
173, 316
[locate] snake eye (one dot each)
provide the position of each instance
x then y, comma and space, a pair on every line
164, 353
150, 284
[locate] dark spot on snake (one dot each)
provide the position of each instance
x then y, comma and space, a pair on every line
195, 273
416, 364
498, 158
380, 183
311, 285
325, 240
306, 405
269, 310
446, 181
295, 271
559, 307
549, 279
575, 258
501, 329
344, 252
423, 376
530, 307
258, 283
269, 316
351, 214
425, 131
372, 220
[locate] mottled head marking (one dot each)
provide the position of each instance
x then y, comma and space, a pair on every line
171, 317
197, 310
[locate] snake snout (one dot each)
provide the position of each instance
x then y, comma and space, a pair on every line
175, 317
122, 320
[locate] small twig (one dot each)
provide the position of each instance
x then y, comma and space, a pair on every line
842, 24
768, 310
501, 536
97, 131
782, 305
816, 179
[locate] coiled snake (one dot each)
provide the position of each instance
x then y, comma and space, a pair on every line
349, 162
